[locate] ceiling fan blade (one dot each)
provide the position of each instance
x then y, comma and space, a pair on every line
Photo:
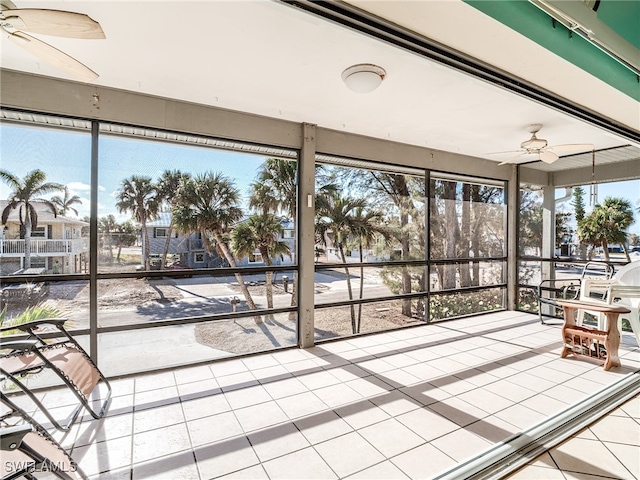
53, 56
507, 151
512, 159
53, 22
548, 157
572, 147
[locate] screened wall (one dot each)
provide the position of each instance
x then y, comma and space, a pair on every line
170, 248
155, 246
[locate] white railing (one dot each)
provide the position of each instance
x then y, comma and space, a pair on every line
44, 248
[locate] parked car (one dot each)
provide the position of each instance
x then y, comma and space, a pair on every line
25, 294
180, 266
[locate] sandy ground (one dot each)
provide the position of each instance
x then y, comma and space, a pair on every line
234, 336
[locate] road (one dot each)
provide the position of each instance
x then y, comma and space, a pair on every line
207, 295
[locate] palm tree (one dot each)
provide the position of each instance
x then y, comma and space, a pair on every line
591, 232
276, 187
124, 235
208, 204
367, 228
25, 196
607, 224
106, 226
65, 201
168, 185
275, 191
260, 232
139, 196
336, 217
620, 216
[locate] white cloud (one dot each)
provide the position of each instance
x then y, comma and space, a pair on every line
77, 187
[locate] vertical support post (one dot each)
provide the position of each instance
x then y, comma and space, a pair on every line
306, 236
548, 221
547, 269
513, 230
427, 240
93, 246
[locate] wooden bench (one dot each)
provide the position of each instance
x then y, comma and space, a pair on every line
591, 343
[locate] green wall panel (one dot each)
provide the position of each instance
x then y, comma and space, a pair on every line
528, 20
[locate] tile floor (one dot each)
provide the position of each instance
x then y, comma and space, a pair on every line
403, 404
609, 448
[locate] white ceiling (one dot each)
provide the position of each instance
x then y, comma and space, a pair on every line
271, 59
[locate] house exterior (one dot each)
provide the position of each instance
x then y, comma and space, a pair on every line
287, 236
189, 249
57, 245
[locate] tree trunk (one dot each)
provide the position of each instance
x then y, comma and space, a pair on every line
109, 244
346, 269
626, 252
232, 262
605, 250
478, 217
465, 274
294, 295
27, 241
147, 244
268, 280
166, 245
361, 288
451, 225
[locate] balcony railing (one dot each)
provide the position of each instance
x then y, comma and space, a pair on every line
45, 248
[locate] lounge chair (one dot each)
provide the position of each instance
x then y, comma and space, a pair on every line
28, 449
63, 356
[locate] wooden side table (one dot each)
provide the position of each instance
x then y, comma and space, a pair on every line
590, 343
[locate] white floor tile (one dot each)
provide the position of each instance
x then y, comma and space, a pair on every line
225, 457
336, 453
425, 461
260, 416
307, 464
391, 437
161, 442
214, 428
277, 441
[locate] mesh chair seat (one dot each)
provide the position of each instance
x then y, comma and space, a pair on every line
65, 358
27, 448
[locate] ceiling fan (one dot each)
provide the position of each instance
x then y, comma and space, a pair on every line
50, 22
541, 148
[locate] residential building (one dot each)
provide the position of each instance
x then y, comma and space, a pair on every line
57, 244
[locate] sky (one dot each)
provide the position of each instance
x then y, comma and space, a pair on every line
628, 189
64, 155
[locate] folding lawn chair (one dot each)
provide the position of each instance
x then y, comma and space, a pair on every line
63, 356
29, 451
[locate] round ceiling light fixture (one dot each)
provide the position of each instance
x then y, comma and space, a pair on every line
364, 77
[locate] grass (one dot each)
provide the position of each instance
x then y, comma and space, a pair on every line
36, 312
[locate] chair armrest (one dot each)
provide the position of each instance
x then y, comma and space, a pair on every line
27, 327
11, 437
19, 345
548, 284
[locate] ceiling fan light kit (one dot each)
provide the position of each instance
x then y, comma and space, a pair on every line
59, 23
363, 77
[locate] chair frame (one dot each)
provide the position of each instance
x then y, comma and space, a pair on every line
12, 438
35, 344
571, 287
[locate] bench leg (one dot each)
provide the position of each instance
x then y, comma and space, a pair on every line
612, 342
